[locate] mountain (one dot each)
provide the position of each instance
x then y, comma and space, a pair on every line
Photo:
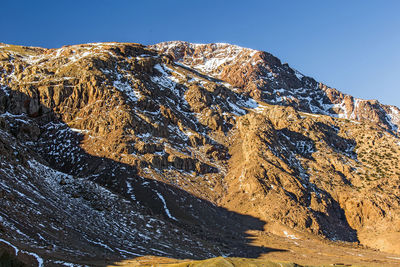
111, 151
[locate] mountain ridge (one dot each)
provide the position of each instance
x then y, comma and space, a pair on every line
346, 105
185, 144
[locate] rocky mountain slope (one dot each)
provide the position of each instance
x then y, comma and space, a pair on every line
115, 150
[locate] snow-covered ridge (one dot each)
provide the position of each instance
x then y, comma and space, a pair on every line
279, 83
221, 45
207, 58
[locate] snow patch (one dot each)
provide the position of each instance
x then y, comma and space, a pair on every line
165, 206
17, 251
39, 259
289, 235
125, 87
130, 190
128, 252
260, 109
250, 103
11, 245
236, 110
166, 80
79, 130
298, 74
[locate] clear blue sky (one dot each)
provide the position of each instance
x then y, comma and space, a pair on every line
353, 45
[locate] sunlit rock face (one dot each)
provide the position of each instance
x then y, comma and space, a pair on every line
117, 150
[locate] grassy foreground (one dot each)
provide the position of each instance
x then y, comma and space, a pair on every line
217, 262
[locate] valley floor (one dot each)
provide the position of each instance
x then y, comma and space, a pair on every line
287, 252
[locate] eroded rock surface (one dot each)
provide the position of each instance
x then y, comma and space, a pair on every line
114, 150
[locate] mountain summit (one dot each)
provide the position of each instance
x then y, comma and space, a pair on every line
111, 151
265, 78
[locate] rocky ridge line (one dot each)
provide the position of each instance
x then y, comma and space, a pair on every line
176, 138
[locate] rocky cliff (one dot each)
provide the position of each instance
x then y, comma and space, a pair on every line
117, 150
